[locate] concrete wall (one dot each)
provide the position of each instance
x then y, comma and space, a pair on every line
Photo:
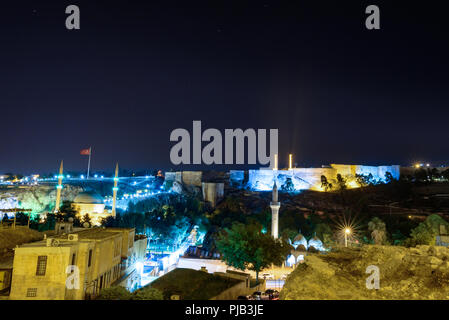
52, 285
196, 264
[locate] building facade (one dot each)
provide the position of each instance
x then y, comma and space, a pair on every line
74, 266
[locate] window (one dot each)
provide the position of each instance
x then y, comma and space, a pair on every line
41, 265
73, 259
89, 261
31, 292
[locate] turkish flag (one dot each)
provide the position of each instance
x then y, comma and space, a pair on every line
85, 152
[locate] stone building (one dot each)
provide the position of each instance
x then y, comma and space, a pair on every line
77, 265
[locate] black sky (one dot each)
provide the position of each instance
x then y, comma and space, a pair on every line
136, 70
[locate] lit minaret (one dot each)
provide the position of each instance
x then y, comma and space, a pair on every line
275, 205
58, 189
290, 161
114, 190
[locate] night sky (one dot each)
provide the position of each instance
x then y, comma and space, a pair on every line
337, 92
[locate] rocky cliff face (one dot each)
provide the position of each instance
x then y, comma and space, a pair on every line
38, 198
415, 273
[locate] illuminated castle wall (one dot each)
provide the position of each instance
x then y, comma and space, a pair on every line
310, 178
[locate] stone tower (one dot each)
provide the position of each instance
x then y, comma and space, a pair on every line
275, 205
58, 190
114, 191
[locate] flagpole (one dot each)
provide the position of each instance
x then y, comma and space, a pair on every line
88, 163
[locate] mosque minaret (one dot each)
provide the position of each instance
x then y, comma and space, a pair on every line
114, 194
275, 205
58, 189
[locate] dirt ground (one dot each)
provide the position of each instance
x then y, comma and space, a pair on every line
405, 274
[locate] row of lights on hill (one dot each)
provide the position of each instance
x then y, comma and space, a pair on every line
421, 165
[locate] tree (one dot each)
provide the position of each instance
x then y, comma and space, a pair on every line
364, 180
324, 232
288, 234
325, 184
114, 293
421, 175
341, 182
426, 232
378, 230
389, 177
86, 218
445, 174
246, 247
288, 185
148, 293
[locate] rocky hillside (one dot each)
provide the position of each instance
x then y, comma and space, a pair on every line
38, 198
405, 273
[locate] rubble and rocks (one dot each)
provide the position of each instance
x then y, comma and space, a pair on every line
405, 274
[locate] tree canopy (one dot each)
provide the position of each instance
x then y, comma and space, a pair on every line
246, 247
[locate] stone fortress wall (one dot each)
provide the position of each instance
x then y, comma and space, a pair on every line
302, 178
310, 178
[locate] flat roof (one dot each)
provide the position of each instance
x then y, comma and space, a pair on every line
90, 234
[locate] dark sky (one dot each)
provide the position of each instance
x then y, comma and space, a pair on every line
337, 92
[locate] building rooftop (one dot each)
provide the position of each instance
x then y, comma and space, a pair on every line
92, 234
87, 234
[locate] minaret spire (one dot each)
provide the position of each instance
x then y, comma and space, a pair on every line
59, 188
114, 190
275, 205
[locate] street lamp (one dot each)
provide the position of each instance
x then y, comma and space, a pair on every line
347, 233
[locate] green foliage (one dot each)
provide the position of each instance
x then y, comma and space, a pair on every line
364, 180
288, 234
325, 184
114, 293
148, 293
49, 223
67, 208
288, 186
426, 232
445, 174
389, 177
86, 218
165, 220
341, 182
246, 247
168, 185
421, 175
324, 232
378, 230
